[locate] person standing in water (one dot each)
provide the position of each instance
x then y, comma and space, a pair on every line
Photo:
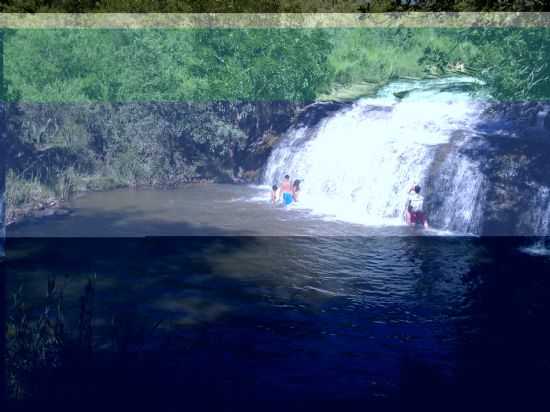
296, 190
415, 208
274, 194
286, 191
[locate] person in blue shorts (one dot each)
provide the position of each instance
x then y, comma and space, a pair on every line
286, 191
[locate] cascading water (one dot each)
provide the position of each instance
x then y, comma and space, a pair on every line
536, 219
457, 189
358, 164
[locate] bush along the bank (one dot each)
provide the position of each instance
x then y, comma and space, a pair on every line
57, 353
38, 341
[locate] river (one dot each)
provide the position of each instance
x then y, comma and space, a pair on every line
198, 210
261, 302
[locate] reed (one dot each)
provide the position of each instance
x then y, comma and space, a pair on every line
38, 340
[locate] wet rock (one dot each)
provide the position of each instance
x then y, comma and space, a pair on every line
311, 115
51, 212
512, 152
403, 94
517, 169
40, 210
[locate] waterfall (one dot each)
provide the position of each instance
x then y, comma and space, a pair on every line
458, 189
536, 218
357, 164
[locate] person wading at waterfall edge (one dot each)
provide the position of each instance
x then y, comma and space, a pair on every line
296, 190
286, 191
415, 208
274, 194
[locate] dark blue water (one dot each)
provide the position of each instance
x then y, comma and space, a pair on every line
384, 319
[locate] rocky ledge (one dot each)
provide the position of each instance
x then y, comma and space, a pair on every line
37, 211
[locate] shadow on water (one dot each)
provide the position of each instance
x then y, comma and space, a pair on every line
298, 318
129, 222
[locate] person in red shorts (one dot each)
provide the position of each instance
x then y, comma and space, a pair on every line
415, 208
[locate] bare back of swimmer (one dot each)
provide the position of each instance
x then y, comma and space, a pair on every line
286, 191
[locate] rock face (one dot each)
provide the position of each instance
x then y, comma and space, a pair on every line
511, 151
518, 171
311, 115
525, 119
515, 158
264, 124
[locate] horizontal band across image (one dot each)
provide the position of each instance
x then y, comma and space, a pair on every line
271, 20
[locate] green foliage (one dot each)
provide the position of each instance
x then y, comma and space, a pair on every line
379, 55
262, 64
98, 65
167, 65
69, 148
66, 185
33, 345
181, 6
267, 6
319, 6
513, 62
39, 342
502, 5
24, 191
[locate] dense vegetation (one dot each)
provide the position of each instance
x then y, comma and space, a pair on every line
38, 342
269, 6
53, 347
96, 109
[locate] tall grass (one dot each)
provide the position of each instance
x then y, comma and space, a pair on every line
21, 192
38, 342
381, 55
46, 344
67, 184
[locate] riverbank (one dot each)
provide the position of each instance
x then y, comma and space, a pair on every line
36, 211
44, 204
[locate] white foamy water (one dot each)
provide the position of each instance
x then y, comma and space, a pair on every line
543, 226
537, 216
359, 163
536, 249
